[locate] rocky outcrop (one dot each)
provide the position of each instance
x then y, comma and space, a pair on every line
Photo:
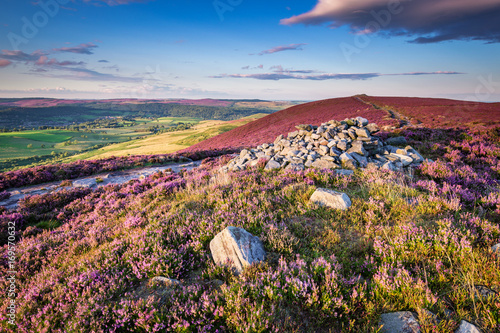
237, 248
331, 199
347, 144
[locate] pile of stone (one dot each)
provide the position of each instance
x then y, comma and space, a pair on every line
347, 144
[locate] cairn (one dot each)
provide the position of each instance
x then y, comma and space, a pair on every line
347, 144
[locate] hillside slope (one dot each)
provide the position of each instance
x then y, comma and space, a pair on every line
268, 128
392, 111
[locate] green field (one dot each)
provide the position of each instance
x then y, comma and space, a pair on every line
29, 144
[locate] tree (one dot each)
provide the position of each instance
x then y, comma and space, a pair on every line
30, 145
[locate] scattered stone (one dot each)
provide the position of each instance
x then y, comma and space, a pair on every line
372, 128
163, 282
85, 183
484, 293
399, 322
330, 198
324, 164
397, 141
466, 327
496, 248
236, 247
272, 165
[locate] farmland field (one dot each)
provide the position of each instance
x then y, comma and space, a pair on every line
167, 142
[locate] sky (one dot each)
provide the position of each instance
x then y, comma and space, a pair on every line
275, 50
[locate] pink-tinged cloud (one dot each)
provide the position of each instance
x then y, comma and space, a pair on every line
293, 75
4, 63
427, 21
80, 49
291, 47
45, 61
15, 55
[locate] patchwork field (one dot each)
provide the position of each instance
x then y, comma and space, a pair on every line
167, 142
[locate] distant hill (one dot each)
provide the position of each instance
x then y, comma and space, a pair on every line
385, 111
35, 112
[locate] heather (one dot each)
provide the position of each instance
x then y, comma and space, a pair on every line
410, 241
81, 168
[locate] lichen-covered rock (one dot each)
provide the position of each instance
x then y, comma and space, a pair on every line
237, 248
330, 198
399, 322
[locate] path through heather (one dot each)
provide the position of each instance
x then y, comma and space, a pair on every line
115, 177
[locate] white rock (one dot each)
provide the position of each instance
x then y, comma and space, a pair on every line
466, 327
85, 183
236, 247
399, 322
330, 198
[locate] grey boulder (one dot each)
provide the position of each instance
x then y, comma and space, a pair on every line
331, 199
466, 327
399, 322
236, 247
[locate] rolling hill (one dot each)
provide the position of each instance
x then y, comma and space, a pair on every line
385, 111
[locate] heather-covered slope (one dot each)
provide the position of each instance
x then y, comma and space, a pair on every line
439, 113
268, 128
393, 111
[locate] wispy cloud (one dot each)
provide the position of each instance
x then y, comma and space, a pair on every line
291, 47
292, 75
84, 74
103, 61
21, 56
5, 62
45, 61
256, 67
80, 49
431, 21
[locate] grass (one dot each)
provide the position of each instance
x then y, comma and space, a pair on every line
167, 142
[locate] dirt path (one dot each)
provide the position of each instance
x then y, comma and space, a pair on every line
95, 181
403, 120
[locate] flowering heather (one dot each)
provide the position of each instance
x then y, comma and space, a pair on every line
78, 169
408, 242
441, 113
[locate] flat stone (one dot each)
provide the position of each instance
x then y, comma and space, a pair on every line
362, 132
372, 128
295, 167
303, 127
237, 248
362, 161
357, 147
362, 121
342, 145
323, 150
466, 327
323, 164
399, 322
85, 183
397, 141
278, 139
272, 165
164, 282
406, 160
315, 136
344, 172
331, 199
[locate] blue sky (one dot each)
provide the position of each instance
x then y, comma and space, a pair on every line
294, 50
